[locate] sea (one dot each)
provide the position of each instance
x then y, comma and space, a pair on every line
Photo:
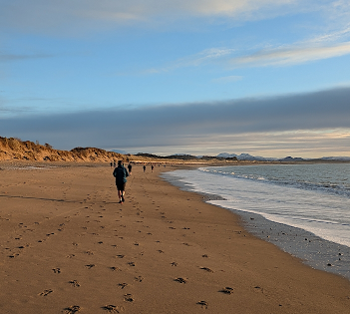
302, 208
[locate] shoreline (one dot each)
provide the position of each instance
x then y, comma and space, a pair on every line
313, 250
66, 245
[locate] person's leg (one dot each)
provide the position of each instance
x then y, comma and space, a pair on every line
120, 195
122, 188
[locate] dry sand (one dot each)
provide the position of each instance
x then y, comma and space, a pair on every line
67, 246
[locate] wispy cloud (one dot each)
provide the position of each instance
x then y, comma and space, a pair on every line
290, 56
207, 56
333, 36
279, 56
4, 57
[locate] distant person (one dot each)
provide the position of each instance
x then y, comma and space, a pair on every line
129, 168
144, 168
114, 164
111, 164
120, 174
152, 168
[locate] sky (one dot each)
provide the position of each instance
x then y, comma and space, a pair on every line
265, 77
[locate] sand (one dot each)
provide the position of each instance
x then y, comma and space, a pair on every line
67, 246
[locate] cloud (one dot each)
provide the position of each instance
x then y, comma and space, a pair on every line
305, 143
291, 56
205, 125
4, 57
207, 56
324, 46
331, 36
66, 16
204, 56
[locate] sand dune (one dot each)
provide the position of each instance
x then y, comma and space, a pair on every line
15, 149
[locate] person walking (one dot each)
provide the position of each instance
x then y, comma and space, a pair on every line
129, 168
120, 174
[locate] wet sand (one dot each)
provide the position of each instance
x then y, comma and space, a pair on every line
67, 246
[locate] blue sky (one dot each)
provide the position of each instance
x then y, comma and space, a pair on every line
265, 77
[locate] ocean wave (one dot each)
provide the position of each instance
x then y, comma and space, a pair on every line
335, 185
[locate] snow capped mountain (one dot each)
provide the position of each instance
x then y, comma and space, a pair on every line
244, 156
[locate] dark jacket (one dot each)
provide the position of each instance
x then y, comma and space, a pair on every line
120, 174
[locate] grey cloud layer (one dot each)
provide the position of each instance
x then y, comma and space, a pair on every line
185, 123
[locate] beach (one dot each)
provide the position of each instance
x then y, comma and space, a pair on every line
68, 246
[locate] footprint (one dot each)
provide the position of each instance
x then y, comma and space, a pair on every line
114, 268
128, 297
74, 283
122, 285
23, 246
111, 308
259, 288
203, 304
56, 270
138, 278
173, 264
227, 290
89, 266
131, 264
46, 292
207, 269
181, 280
72, 309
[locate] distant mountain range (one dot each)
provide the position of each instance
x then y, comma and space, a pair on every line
289, 158
244, 157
